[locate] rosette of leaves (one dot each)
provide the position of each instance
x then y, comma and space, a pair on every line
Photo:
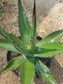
29, 50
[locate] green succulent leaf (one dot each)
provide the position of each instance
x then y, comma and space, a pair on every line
17, 43
49, 50
44, 73
24, 26
34, 30
5, 44
27, 72
53, 37
1, 9
1, 6
14, 63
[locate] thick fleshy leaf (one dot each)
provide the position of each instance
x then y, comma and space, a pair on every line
17, 43
1, 6
49, 50
1, 9
14, 63
44, 73
53, 37
34, 29
24, 26
5, 44
27, 72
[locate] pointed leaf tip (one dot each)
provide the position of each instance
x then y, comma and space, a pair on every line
13, 63
52, 37
24, 25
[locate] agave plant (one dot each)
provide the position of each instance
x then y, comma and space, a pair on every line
29, 50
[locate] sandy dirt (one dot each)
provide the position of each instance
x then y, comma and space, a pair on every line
49, 20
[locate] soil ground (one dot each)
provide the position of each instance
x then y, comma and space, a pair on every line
9, 23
